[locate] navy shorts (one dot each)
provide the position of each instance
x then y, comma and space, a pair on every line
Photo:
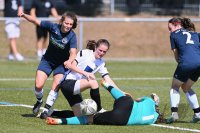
183, 73
49, 67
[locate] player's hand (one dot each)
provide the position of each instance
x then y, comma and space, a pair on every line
21, 14
90, 76
67, 64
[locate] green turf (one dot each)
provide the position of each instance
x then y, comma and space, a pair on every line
17, 83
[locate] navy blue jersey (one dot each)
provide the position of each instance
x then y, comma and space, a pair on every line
43, 7
59, 43
188, 46
11, 8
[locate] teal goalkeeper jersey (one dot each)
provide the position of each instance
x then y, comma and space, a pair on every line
143, 112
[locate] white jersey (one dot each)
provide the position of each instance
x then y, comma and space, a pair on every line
86, 61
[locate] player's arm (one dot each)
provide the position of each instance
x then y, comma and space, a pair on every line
30, 18
175, 54
112, 83
89, 76
72, 56
33, 12
54, 12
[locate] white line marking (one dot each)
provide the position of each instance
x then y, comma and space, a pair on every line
137, 78
177, 128
156, 125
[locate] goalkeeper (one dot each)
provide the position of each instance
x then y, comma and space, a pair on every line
126, 111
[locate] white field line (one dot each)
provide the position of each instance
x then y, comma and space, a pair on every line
157, 125
133, 78
177, 128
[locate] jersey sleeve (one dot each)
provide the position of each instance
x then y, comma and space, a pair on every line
78, 56
47, 25
172, 41
199, 36
103, 70
73, 41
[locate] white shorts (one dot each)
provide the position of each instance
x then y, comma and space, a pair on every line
12, 30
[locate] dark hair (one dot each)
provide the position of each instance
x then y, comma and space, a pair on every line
104, 41
70, 15
92, 44
184, 22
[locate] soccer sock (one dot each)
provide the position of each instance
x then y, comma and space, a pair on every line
51, 99
82, 120
116, 93
44, 51
39, 53
39, 95
95, 95
193, 101
174, 99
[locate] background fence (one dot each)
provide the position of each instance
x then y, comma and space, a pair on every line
129, 7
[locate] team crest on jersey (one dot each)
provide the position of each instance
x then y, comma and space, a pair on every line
65, 40
47, 4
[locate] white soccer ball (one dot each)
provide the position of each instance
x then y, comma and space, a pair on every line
88, 107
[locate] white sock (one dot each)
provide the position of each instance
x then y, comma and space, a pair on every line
192, 99
174, 97
39, 53
44, 51
52, 97
39, 95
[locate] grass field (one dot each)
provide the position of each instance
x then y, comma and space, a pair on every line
138, 78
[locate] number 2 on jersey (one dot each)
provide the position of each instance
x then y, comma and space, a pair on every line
189, 40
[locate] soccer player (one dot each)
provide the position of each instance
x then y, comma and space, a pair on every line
186, 48
42, 8
80, 75
60, 53
126, 111
12, 8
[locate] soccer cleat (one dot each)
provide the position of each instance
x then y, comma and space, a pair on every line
11, 57
102, 110
195, 119
104, 84
44, 115
36, 108
19, 57
52, 121
174, 117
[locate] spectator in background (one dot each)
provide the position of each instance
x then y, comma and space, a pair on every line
42, 8
12, 8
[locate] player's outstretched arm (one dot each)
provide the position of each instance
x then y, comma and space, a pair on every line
31, 19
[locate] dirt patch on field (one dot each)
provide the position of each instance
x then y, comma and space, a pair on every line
128, 39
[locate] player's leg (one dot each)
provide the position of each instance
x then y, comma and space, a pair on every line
84, 84
74, 99
53, 94
174, 100
13, 32
43, 71
81, 120
192, 99
41, 78
116, 93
